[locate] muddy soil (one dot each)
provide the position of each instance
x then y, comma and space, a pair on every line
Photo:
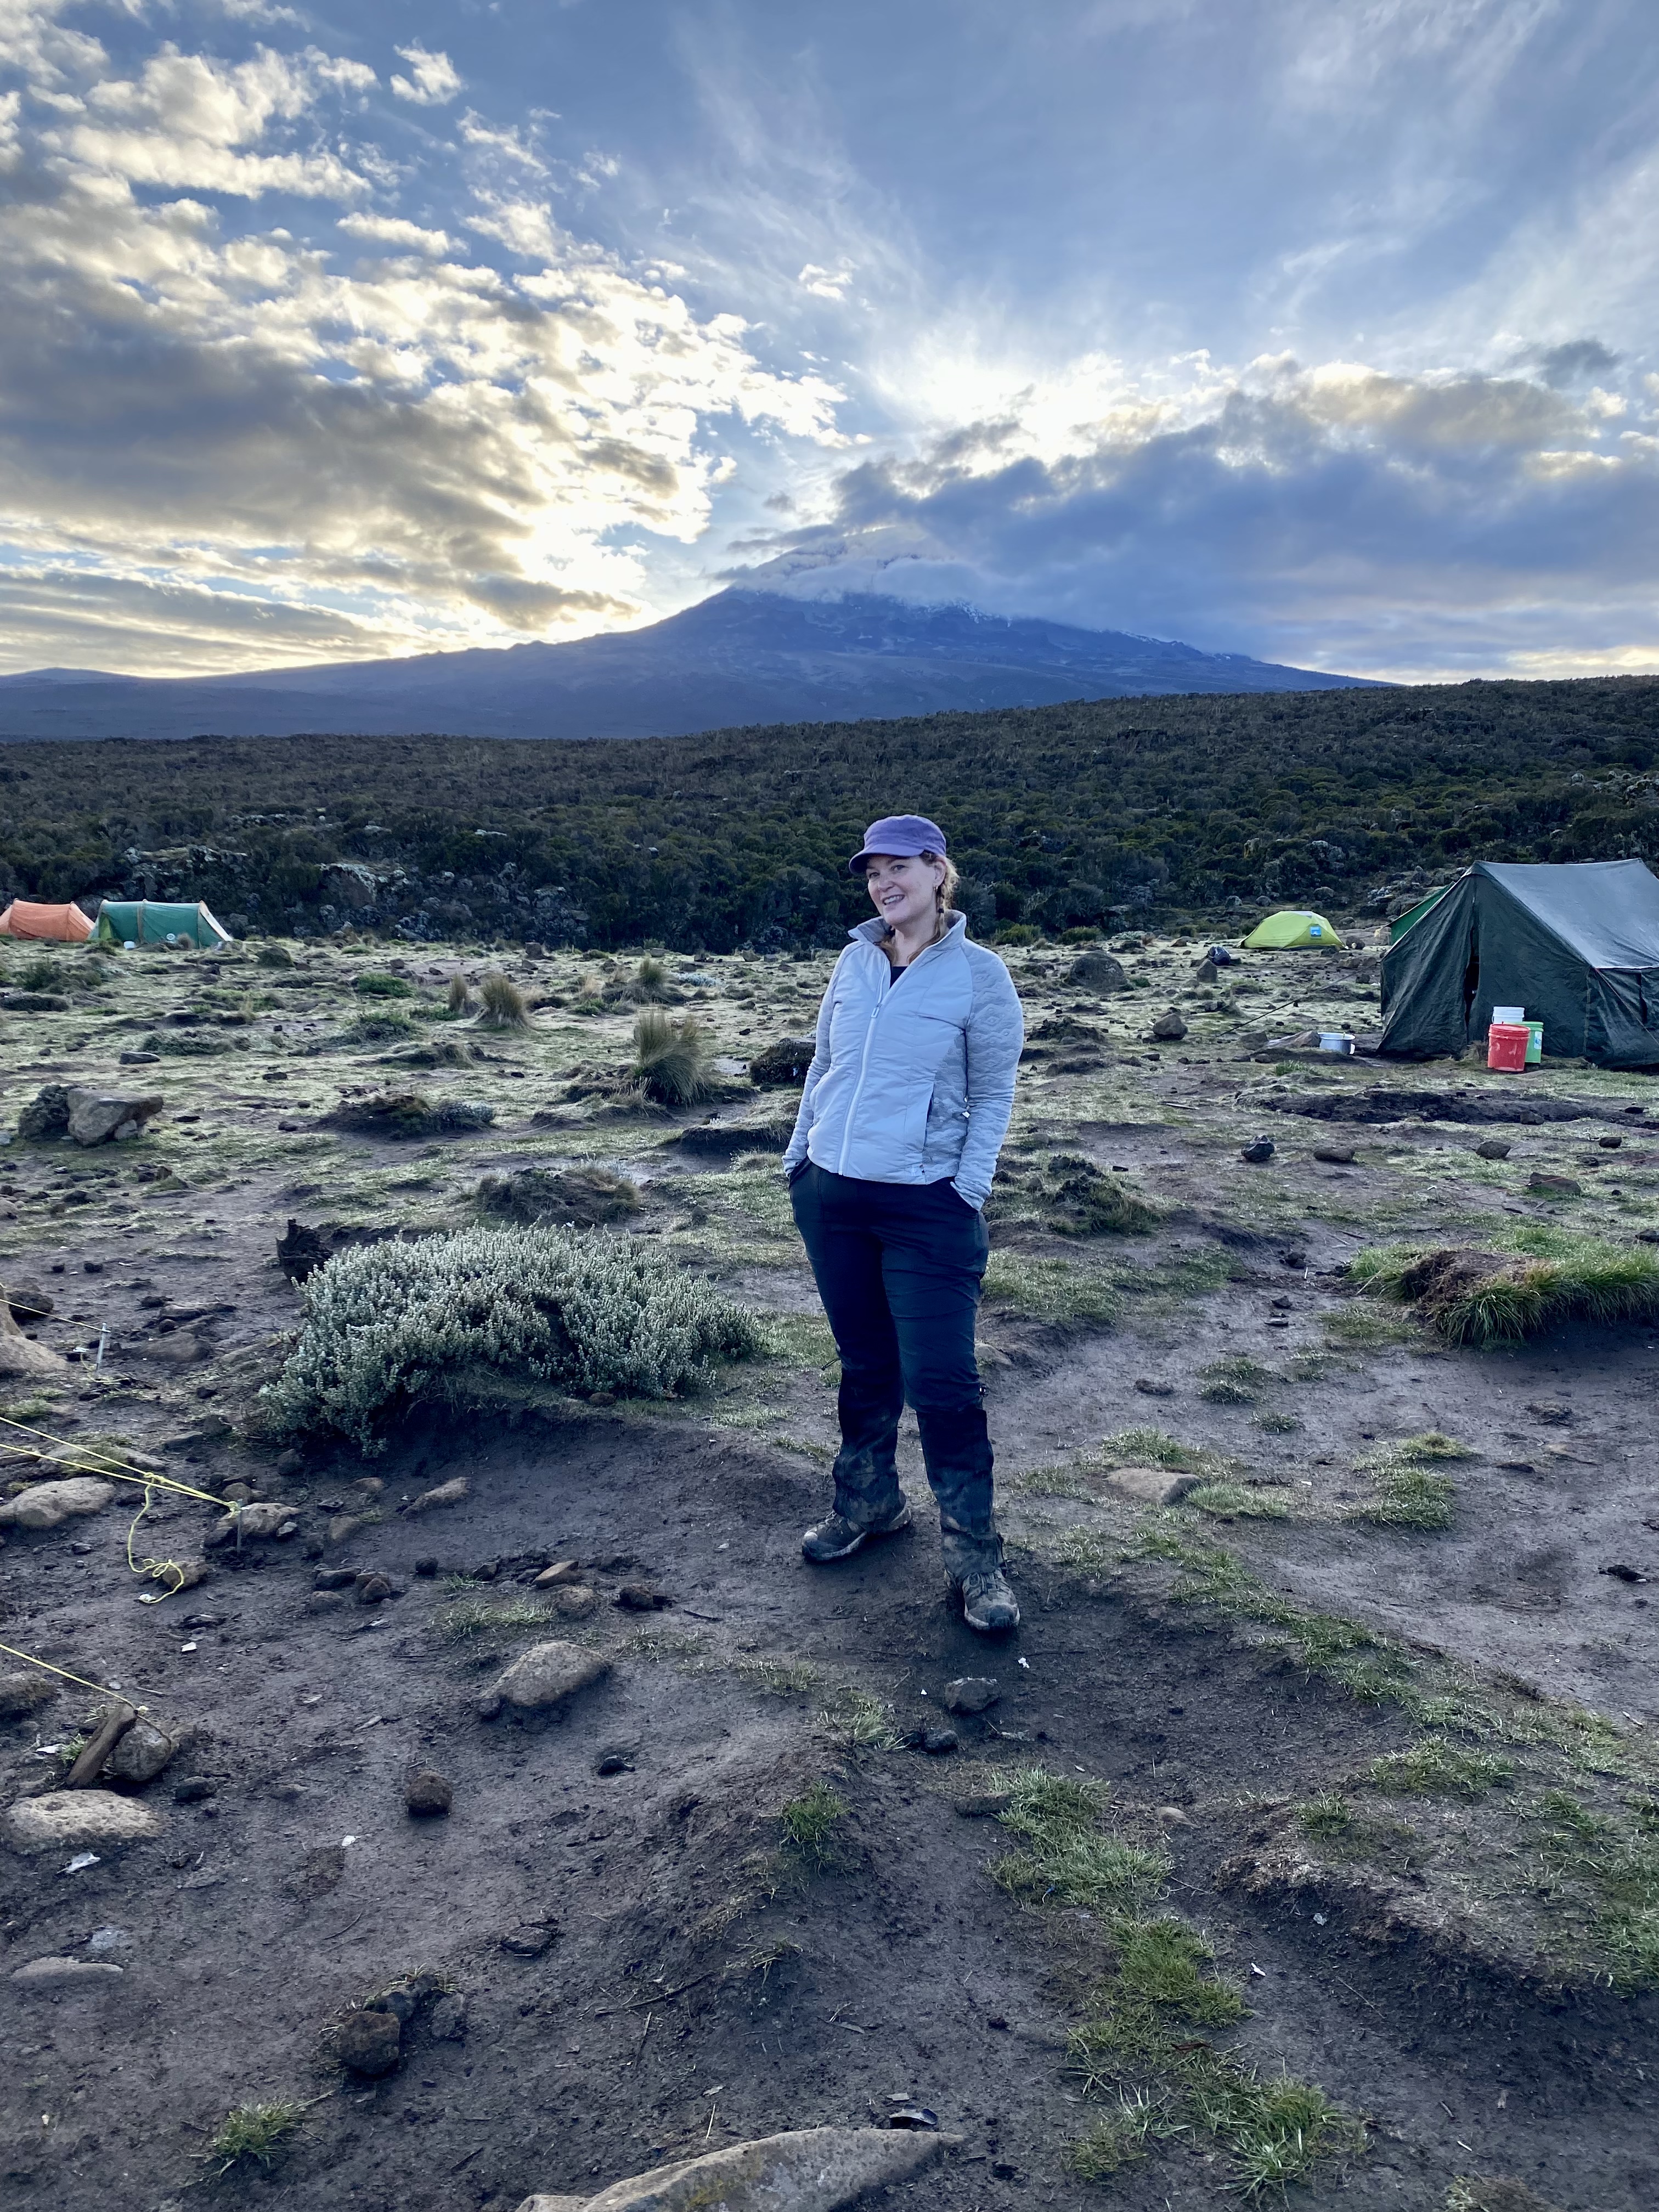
637, 1961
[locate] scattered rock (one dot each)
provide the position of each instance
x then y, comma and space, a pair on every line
64, 1974
369, 2042
46, 1115
427, 1795
1622, 1573
1610, 1144
78, 1820
447, 2020
574, 1601
1552, 1186
1150, 1485
28, 1304
23, 1692
1149, 1388
1491, 1148
194, 1790
48, 1504
373, 1589
290, 1465
98, 1117
808, 2170
783, 1065
1550, 1411
334, 1578
562, 1571
640, 1598
140, 1756
1169, 1028
327, 1600
1335, 1156
1097, 971
1258, 1149
612, 1763
937, 1741
971, 1693
543, 1677
446, 1493
530, 1939
257, 1523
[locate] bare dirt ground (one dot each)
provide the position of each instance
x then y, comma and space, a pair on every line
1398, 1761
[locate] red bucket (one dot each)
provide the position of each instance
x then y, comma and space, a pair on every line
1506, 1046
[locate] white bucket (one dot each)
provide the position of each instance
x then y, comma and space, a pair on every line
1513, 1014
1335, 1040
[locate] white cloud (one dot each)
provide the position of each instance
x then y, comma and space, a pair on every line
435, 79
826, 284
394, 230
524, 227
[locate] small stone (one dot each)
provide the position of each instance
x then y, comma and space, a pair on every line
544, 1676
23, 1692
373, 1590
447, 2019
49, 1504
640, 1598
563, 1570
262, 1520
344, 1526
937, 1741
1258, 1149
327, 1600
237, 1494
64, 1974
446, 1493
429, 1795
141, 1754
1491, 1148
79, 1820
1169, 1028
1551, 1411
612, 1762
1149, 1388
290, 1463
530, 1939
1335, 1156
971, 1693
369, 2042
574, 1601
194, 1790
1610, 1144
426, 1569
1151, 1486
1171, 1816
334, 1578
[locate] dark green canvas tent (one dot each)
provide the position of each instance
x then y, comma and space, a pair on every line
158, 921
1577, 947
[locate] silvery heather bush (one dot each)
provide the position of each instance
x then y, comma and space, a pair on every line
389, 1324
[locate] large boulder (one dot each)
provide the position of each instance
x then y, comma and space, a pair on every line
807, 2169
100, 1117
48, 1504
78, 1820
1097, 971
542, 1678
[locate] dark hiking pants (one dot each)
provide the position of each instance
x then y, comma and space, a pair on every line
899, 1267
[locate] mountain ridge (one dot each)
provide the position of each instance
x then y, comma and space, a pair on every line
741, 657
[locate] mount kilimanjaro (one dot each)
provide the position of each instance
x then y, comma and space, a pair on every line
742, 657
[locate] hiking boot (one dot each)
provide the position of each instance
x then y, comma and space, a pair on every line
835, 1537
988, 1604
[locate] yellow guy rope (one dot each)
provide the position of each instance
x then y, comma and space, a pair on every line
109, 1467
29, 1659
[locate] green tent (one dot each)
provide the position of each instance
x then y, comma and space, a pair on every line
1575, 947
1398, 927
1280, 933
158, 921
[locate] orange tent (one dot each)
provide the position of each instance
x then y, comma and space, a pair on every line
63, 925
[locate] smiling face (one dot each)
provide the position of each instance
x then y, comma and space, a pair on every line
904, 891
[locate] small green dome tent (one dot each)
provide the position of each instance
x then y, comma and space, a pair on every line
1293, 927
158, 921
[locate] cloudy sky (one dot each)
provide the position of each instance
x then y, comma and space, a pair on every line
1322, 329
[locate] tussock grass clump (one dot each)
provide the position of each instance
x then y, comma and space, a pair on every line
579, 1198
504, 1005
1410, 1493
808, 1824
1239, 1501
383, 1025
1080, 1201
1154, 1447
251, 2135
672, 1062
649, 984
1531, 1283
371, 986
456, 997
389, 1325
1236, 1381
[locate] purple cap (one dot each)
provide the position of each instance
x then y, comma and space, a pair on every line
899, 837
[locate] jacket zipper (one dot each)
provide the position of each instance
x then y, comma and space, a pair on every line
864, 1064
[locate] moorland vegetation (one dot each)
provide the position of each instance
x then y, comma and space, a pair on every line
1064, 819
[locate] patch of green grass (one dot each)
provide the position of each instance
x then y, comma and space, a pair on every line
808, 1824
371, 986
778, 1678
251, 2135
1239, 1501
1357, 1328
1236, 1381
1122, 2137
1067, 1858
1327, 1814
1278, 1425
1550, 1277
857, 1722
475, 1613
1436, 1768
1154, 1447
1049, 1289
1409, 1495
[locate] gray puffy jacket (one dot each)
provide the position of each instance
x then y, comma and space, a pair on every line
913, 1076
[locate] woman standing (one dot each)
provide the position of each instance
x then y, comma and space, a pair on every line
906, 1105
